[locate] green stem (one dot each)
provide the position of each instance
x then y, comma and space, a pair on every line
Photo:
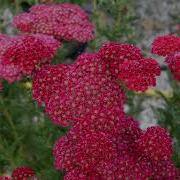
17, 5
95, 5
9, 119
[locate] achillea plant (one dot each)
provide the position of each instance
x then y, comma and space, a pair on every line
88, 96
20, 173
114, 54
169, 47
21, 55
64, 21
103, 141
81, 88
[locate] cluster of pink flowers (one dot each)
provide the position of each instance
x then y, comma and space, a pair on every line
20, 173
72, 92
21, 55
127, 64
103, 142
63, 21
125, 153
169, 47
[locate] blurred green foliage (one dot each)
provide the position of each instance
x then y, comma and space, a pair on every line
169, 116
27, 135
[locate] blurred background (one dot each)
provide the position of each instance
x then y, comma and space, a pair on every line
27, 134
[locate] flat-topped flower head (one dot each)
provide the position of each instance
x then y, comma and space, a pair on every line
29, 51
84, 152
64, 21
22, 173
114, 54
86, 86
164, 45
139, 75
23, 54
156, 144
173, 61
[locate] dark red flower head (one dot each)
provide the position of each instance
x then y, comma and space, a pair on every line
64, 21
22, 173
156, 144
79, 89
84, 152
114, 54
139, 75
5, 178
78, 101
21, 55
173, 61
164, 45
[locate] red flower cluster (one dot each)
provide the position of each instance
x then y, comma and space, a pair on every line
115, 54
84, 152
127, 64
21, 55
77, 90
71, 92
169, 46
164, 45
20, 173
96, 155
64, 21
103, 143
139, 75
